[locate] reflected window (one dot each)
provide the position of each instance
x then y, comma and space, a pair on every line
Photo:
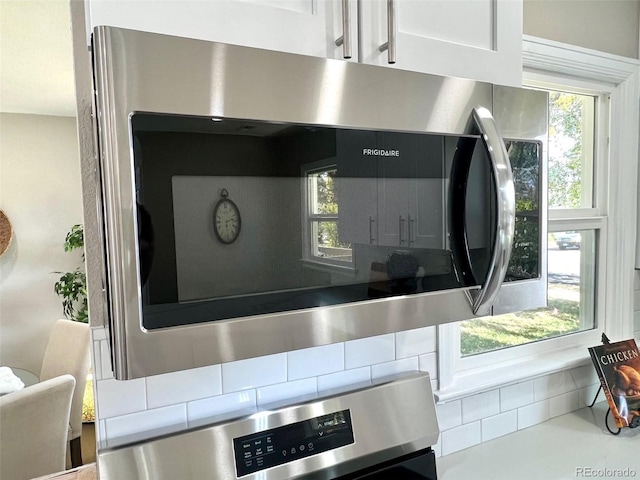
324, 245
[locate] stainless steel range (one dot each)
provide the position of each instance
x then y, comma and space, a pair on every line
385, 430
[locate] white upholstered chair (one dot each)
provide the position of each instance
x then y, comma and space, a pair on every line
68, 352
33, 429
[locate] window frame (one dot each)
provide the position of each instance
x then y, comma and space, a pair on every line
568, 68
308, 258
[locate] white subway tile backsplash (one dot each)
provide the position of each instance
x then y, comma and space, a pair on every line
515, 396
449, 414
143, 408
101, 434
565, 403
298, 390
412, 343
499, 425
434, 385
437, 448
147, 424
533, 414
549, 386
105, 360
584, 376
98, 333
311, 362
569, 382
480, 406
429, 363
460, 438
254, 372
222, 407
117, 398
347, 380
183, 386
588, 394
369, 351
391, 368
96, 361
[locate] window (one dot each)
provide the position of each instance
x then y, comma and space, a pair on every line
323, 245
596, 215
571, 255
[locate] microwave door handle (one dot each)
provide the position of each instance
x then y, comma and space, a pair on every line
483, 299
345, 39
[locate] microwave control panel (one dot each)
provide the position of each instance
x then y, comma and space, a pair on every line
288, 443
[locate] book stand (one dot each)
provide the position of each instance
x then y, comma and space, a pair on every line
635, 422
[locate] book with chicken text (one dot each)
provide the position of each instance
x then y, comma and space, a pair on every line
618, 367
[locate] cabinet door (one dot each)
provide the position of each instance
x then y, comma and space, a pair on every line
478, 39
396, 177
356, 184
298, 26
427, 202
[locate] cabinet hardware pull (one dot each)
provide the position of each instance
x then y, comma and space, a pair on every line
371, 237
390, 44
412, 230
400, 228
345, 39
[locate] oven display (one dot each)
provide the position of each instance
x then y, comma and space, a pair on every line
280, 445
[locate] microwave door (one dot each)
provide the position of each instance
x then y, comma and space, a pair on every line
482, 212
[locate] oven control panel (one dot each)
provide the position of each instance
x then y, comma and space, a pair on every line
280, 445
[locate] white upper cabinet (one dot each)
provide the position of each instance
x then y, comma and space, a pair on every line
478, 39
308, 27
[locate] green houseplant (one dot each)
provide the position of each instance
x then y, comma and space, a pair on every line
72, 286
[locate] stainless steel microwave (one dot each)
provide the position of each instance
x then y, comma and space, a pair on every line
257, 202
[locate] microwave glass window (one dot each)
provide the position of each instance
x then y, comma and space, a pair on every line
525, 254
328, 216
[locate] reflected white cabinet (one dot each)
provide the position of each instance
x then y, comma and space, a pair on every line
478, 39
308, 27
397, 201
357, 187
411, 192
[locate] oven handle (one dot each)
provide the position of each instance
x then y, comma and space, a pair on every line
482, 299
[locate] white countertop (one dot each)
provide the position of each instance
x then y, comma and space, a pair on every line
554, 450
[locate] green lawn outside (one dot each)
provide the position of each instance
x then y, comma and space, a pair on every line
491, 333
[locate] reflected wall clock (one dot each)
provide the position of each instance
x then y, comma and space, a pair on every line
226, 219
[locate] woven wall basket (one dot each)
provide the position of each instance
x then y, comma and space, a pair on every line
6, 232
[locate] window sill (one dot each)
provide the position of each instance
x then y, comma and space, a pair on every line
489, 378
329, 267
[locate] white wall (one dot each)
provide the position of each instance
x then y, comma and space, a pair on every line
607, 25
40, 193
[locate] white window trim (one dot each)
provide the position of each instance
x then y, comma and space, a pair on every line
620, 77
309, 260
